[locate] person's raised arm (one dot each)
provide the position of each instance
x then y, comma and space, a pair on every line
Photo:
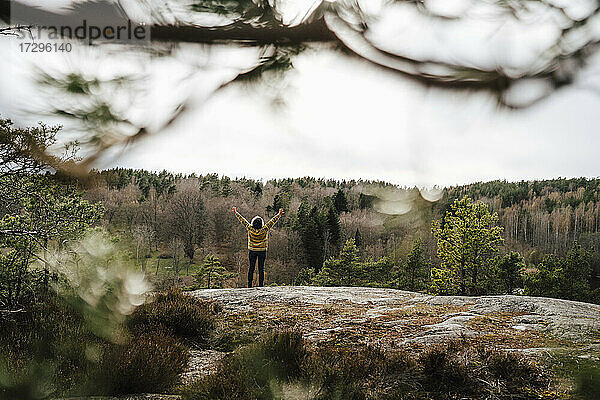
241, 219
273, 220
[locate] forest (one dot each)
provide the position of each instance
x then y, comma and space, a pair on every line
180, 219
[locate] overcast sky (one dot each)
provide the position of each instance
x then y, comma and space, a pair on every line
331, 116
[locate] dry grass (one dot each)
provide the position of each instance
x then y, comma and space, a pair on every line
324, 371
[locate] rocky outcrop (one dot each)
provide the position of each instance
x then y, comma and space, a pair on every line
396, 317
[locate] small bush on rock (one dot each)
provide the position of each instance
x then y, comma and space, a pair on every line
150, 363
180, 314
253, 372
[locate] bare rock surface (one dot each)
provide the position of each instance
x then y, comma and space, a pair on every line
202, 362
388, 315
395, 319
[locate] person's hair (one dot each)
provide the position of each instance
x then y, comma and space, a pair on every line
257, 222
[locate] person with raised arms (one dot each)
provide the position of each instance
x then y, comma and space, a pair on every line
258, 238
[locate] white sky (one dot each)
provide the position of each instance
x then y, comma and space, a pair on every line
331, 116
344, 119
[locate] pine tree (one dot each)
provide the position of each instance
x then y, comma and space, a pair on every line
357, 238
379, 273
576, 275
565, 278
343, 271
257, 190
213, 272
305, 277
468, 236
365, 201
340, 201
314, 239
509, 271
417, 267
277, 204
545, 281
303, 214
334, 230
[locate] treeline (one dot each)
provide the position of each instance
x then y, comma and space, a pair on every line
182, 216
189, 216
470, 262
547, 214
538, 216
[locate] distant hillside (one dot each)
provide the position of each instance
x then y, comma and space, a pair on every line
550, 213
538, 217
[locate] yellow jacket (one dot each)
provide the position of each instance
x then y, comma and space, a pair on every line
257, 238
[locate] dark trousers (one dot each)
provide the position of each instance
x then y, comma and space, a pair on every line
253, 256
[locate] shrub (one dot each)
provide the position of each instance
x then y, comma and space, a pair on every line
254, 371
49, 350
587, 383
44, 347
359, 373
151, 363
460, 368
182, 315
286, 352
511, 367
451, 371
444, 369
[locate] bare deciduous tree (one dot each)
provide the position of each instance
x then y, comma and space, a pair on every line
176, 250
185, 216
143, 236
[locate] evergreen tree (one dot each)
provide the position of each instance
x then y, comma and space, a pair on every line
305, 277
357, 238
334, 230
509, 271
343, 271
213, 273
378, 273
257, 190
576, 275
277, 204
340, 201
545, 281
314, 238
225, 186
565, 278
591, 242
442, 281
311, 230
416, 267
365, 201
468, 236
303, 214
347, 270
